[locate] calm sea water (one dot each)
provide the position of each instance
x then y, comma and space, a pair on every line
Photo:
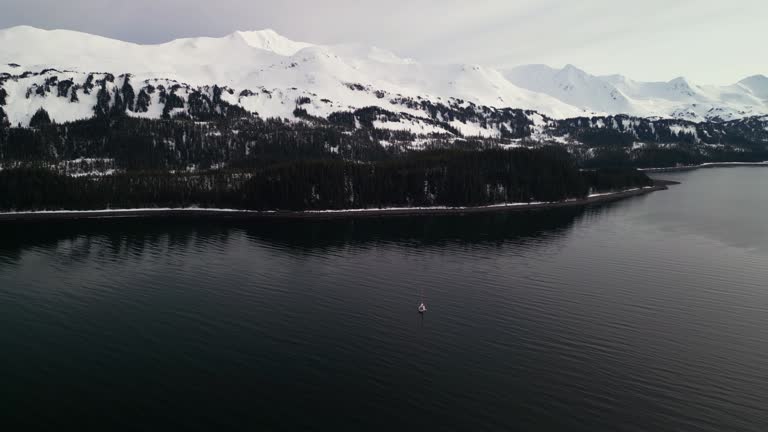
650, 314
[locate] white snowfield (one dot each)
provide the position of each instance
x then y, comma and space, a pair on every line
617, 94
278, 71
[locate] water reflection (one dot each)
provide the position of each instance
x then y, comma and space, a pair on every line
113, 239
432, 231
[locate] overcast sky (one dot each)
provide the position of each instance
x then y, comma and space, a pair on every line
708, 41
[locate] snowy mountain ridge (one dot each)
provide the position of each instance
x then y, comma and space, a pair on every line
267, 74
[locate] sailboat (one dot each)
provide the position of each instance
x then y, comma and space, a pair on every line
422, 306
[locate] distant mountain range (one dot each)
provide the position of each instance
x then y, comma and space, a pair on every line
271, 76
249, 97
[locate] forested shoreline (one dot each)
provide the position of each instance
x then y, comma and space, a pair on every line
430, 178
235, 161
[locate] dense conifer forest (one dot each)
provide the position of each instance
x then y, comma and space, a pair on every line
236, 160
429, 178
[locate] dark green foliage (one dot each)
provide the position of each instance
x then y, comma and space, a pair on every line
172, 101
175, 144
655, 156
366, 116
29, 188
40, 119
88, 86
50, 82
200, 106
612, 179
612, 157
129, 96
448, 178
343, 119
143, 101
63, 87
222, 109
215, 107
103, 101
604, 137
118, 108
302, 113
3, 96
434, 178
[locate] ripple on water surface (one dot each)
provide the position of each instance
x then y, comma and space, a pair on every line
640, 315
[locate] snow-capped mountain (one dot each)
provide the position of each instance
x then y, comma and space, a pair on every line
264, 73
572, 86
617, 94
757, 85
250, 63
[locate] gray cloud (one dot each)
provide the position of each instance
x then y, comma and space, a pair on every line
708, 41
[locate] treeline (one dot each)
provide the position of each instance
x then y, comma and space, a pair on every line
624, 141
240, 141
612, 179
432, 178
653, 156
150, 144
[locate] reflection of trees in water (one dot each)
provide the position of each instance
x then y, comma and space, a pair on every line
424, 231
109, 239
120, 239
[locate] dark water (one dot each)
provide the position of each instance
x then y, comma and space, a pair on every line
650, 314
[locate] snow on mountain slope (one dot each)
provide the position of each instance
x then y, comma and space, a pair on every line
681, 98
757, 85
196, 60
254, 60
266, 73
269, 40
20, 107
358, 52
572, 86
617, 94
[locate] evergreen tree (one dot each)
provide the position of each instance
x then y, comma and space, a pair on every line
40, 119
129, 96
143, 101
4, 122
103, 101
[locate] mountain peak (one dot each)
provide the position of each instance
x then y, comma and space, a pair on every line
571, 73
680, 81
759, 78
757, 85
20, 28
271, 40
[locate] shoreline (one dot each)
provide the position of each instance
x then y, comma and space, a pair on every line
322, 214
703, 166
